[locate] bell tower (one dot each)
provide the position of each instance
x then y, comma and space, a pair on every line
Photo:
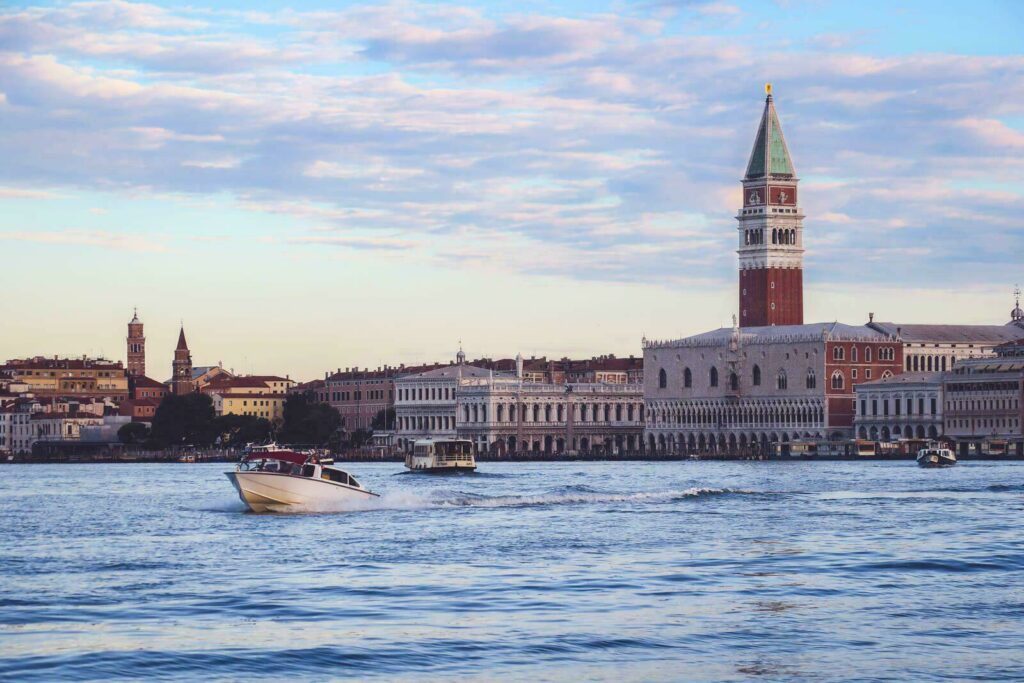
181, 368
770, 231
136, 347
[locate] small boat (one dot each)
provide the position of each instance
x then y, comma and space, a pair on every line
441, 456
188, 457
935, 456
271, 478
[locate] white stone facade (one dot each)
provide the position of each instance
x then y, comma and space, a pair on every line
907, 406
502, 414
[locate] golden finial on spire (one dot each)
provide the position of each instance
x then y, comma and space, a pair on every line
767, 88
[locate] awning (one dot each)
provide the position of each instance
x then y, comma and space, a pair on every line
286, 456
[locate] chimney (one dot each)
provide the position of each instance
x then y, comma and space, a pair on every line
871, 317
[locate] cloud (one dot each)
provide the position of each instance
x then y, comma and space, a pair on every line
603, 146
88, 238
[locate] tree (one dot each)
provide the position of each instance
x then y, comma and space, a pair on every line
133, 433
182, 420
307, 421
383, 420
239, 430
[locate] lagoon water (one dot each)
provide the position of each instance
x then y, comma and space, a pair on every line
527, 571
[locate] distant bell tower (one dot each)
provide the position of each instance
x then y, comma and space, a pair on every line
181, 376
136, 348
770, 231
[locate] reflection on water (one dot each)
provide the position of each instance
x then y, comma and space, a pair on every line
528, 571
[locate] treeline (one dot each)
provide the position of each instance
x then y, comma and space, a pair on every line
191, 421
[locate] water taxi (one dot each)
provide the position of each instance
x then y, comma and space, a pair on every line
272, 478
441, 456
935, 456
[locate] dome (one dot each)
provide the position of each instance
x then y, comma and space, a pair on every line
1017, 314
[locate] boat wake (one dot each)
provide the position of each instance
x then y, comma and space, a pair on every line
567, 495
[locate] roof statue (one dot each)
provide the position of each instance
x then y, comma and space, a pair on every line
770, 156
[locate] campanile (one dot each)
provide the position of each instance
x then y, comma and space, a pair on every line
770, 231
136, 347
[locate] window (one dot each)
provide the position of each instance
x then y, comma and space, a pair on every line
837, 380
713, 377
662, 379
757, 375
812, 380
687, 378
853, 354
838, 353
867, 354
734, 381
781, 380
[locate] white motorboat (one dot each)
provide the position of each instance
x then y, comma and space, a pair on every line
440, 456
935, 456
270, 478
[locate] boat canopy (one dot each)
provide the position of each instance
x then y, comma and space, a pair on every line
286, 456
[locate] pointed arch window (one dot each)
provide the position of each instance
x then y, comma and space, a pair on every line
781, 381
838, 353
734, 381
812, 381
837, 380
687, 378
662, 378
853, 354
757, 375
867, 354
713, 377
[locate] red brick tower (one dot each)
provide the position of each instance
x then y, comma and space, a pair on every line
181, 377
136, 348
770, 231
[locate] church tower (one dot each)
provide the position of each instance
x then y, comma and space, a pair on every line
181, 376
770, 231
136, 348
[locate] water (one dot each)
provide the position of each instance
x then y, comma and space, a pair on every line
533, 572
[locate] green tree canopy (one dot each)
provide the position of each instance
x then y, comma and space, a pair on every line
133, 433
308, 422
182, 420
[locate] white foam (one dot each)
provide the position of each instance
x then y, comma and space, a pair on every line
409, 500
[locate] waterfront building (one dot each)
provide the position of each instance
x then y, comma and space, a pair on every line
256, 395
147, 388
72, 377
181, 368
64, 426
902, 406
136, 344
203, 375
425, 402
504, 412
938, 348
360, 394
268, 405
745, 388
984, 402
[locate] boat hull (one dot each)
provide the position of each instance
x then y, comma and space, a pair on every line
935, 461
274, 492
444, 470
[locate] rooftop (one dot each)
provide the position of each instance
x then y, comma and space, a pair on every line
950, 334
770, 156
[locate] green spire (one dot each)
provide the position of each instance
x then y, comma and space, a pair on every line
770, 157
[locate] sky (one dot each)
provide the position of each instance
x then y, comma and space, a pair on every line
320, 185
